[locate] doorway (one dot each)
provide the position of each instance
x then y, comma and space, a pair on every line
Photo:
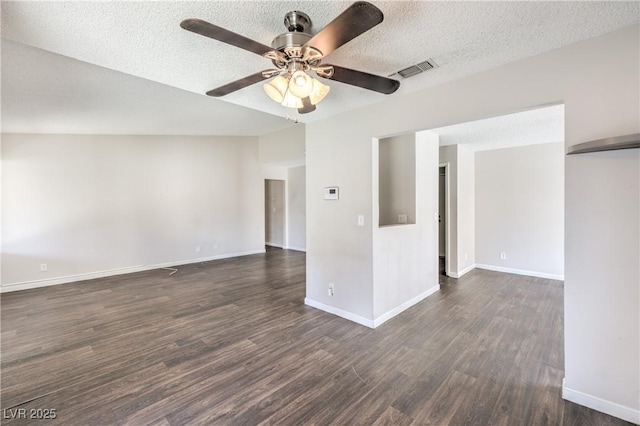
274, 213
443, 218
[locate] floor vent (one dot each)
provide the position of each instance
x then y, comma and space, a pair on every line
417, 68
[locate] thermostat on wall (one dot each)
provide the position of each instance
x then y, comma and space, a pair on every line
331, 193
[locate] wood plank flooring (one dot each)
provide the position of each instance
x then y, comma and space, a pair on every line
231, 342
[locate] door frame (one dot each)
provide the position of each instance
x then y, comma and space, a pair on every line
284, 213
447, 215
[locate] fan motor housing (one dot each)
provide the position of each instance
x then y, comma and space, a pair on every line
296, 21
292, 39
298, 25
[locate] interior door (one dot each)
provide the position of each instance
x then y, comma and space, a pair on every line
274, 212
442, 226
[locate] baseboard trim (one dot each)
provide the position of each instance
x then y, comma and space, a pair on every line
461, 273
406, 305
339, 312
520, 272
599, 404
297, 248
367, 322
26, 285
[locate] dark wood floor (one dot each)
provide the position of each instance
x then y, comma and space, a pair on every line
231, 342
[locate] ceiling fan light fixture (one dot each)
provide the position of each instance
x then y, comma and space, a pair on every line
324, 70
318, 92
300, 84
276, 89
311, 55
291, 101
297, 52
279, 90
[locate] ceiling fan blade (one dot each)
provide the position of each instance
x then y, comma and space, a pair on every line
307, 106
355, 20
215, 32
237, 85
365, 80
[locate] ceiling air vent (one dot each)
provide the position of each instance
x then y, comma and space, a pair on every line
417, 68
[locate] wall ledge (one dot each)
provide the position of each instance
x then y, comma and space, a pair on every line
26, 285
599, 404
608, 144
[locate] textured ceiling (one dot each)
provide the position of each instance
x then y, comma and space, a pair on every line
537, 126
144, 39
47, 93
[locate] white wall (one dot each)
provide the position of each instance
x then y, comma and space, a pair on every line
274, 172
339, 153
602, 304
296, 195
405, 257
397, 179
283, 147
466, 210
520, 209
282, 155
91, 205
461, 162
449, 155
274, 213
1, 208
601, 100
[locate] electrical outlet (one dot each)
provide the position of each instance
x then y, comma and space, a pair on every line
503, 256
402, 218
215, 247
360, 220
330, 290
197, 249
43, 267
466, 256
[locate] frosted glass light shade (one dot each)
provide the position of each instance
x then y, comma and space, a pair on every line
318, 92
300, 84
280, 90
291, 101
276, 88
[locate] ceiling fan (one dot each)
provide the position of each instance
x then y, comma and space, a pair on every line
297, 52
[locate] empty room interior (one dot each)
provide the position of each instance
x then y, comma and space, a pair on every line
328, 212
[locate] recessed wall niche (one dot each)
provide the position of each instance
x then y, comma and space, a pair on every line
397, 180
